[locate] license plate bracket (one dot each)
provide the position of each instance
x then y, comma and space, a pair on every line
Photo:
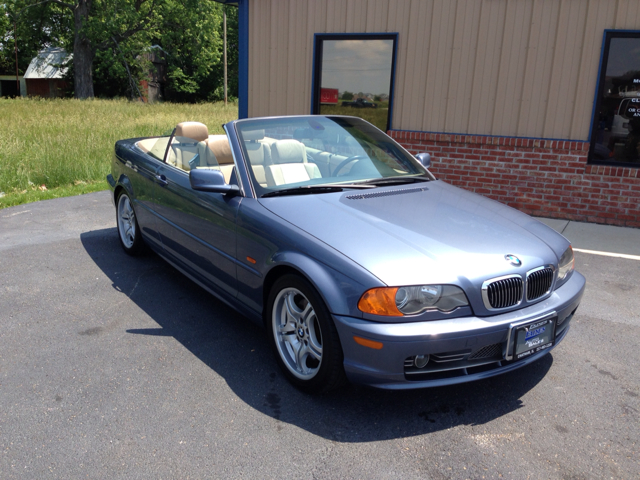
533, 337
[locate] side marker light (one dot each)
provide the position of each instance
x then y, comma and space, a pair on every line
368, 343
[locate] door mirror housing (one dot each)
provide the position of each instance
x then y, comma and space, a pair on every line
424, 159
206, 180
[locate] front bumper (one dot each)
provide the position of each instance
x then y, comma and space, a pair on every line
464, 349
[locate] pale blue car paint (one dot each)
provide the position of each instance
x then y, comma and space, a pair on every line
347, 242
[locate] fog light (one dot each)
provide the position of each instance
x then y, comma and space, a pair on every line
421, 361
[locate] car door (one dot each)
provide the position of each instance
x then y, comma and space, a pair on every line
147, 155
197, 229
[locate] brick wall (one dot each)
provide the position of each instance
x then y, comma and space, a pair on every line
546, 178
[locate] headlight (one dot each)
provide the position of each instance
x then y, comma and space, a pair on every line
398, 301
565, 266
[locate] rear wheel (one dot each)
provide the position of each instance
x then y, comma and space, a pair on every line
128, 229
303, 336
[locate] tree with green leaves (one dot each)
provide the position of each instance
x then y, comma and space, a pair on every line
110, 38
90, 25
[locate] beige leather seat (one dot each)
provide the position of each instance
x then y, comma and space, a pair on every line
259, 154
290, 164
221, 157
183, 150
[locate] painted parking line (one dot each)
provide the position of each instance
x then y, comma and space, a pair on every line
608, 254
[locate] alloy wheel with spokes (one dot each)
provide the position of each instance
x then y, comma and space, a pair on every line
304, 337
128, 229
298, 335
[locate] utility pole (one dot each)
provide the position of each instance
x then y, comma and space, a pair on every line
15, 44
224, 17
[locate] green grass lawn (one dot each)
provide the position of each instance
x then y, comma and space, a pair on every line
61, 147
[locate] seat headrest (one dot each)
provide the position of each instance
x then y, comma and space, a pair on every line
196, 130
219, 145
253, 134
288, 151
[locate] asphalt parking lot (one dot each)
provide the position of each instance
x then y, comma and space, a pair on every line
113, 367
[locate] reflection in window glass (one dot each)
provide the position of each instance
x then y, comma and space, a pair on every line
305, 151
355, 78
616, 130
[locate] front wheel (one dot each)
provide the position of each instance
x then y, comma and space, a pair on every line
303, 336
128, 229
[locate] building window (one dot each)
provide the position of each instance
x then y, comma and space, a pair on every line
615, 134
353, 75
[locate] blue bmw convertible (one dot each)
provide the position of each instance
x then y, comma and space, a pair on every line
360, 264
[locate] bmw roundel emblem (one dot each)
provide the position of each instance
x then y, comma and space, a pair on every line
513, 260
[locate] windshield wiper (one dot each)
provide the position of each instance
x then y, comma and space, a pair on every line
324, 188
394, 181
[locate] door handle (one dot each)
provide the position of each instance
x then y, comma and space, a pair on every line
162, 180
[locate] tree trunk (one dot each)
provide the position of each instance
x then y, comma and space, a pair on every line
82, 53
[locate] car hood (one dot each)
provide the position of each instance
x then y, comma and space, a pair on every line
423, 233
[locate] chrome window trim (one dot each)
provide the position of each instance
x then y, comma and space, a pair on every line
485, 291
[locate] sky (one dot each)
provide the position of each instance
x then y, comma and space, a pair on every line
357, 65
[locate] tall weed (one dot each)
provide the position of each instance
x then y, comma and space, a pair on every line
58, 142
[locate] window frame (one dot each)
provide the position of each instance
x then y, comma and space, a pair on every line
316, 80
608, 35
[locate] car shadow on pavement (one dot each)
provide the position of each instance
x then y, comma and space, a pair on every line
236, 349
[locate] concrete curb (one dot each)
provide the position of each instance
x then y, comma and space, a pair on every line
598, 238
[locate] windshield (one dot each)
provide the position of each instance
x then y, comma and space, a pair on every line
285, 153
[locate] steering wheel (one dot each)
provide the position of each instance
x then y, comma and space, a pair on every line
347, 161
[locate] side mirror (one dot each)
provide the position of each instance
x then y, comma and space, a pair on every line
206, 180
425, 159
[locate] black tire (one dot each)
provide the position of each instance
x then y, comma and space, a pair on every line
304, 323
128, 229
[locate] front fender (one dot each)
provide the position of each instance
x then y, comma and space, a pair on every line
339, 292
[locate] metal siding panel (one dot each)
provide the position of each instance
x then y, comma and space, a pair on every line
485, 84
565, 71
291, 92
512, 67
336, 16
261, 75
439, 66
544, 24
305, 65
361, 17
399, 18
281, 58
376, 17
253, 58
457, 68
274, 68
299, 42
621, 13
462, 66
627, 15
600, 15
356, 19
417, 49
350, 17
306, 40
370, 14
